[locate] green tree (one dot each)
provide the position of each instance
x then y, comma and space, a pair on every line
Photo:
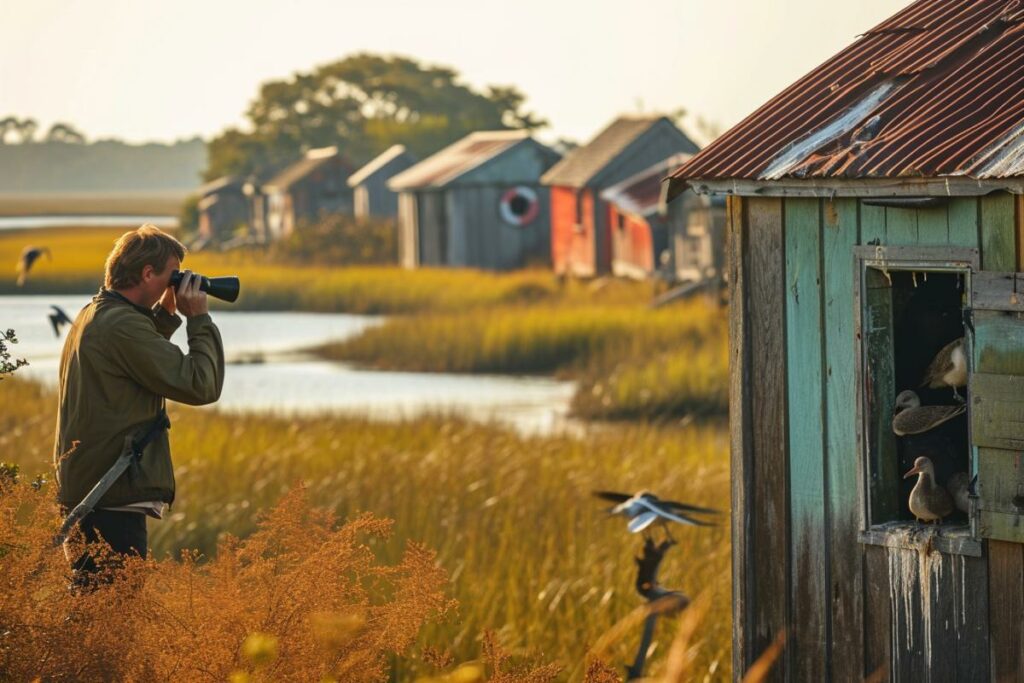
64, 132
364, 103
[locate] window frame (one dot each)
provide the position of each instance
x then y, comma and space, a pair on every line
894, 533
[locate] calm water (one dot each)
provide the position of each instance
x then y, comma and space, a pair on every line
21, 222
269, 371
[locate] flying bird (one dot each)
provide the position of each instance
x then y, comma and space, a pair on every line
643, 509
29, 255
948, 368
928, 501
913, 418
58, 319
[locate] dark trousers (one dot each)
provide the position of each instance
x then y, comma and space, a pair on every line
124, 532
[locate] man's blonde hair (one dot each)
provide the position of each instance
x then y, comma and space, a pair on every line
136, 249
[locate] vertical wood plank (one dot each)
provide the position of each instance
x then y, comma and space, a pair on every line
807, 656
901, 227
768, 501
877, 613
933, 226
1006, 610
998, 232
971, 618
908, 626
739, 431
840, 233
963, 222
872, 224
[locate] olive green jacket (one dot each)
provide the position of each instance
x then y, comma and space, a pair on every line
117, 367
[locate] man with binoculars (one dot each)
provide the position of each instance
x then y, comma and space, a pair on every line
117, 369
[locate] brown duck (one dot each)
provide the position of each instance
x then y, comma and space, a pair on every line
928, 501
959, 487
948, 368
913, 418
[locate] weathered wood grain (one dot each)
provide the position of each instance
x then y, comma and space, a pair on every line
998, 232
768, 501
901, 226
807, 652
877, 613
1006, 610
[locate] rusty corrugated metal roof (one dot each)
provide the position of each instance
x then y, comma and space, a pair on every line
640, 194
936, 90
583, 163
456, 159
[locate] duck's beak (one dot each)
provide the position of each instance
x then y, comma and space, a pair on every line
912, 472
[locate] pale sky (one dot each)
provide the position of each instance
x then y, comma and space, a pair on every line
161, 70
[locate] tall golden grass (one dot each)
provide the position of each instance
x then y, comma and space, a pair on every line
529, 553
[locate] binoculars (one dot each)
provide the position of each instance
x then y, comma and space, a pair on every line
224, 288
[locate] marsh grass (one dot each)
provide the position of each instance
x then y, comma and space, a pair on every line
529, 552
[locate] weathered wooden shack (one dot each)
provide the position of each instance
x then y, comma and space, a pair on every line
314, 185
476, 203
581, 232
679, 241
875, 214
223, 209
370, 192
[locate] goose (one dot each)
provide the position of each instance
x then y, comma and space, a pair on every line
913, 418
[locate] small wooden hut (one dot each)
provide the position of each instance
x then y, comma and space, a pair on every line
477, 203
314, 185
875, 215
581, 232
370, 192
223, 209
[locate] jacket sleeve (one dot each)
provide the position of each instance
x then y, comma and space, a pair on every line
195, 378
166, 323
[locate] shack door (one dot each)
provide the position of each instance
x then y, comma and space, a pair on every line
997, 402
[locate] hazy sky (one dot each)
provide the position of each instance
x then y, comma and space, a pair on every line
161, 70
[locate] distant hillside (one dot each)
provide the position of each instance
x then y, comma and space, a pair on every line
102, 166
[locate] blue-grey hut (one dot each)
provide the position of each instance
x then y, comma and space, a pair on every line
223, 209
875, 216
370, 192
477, 203
315, 184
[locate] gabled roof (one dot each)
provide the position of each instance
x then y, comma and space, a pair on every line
379, 162
227, 182
313, 159
457, 159
582, 164
640, 194
935, 91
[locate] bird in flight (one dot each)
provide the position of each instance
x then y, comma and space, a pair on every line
643, 509
29, 255
58, 319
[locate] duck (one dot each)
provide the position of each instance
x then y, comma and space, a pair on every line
948, 368
910, 417
928, 501
959, 487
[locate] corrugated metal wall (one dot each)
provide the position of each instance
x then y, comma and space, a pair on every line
850, 609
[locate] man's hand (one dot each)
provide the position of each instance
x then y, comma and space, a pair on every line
167, 301
190, 300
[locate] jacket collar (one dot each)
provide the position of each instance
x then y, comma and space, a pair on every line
111, 295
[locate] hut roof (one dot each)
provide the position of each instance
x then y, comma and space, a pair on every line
937, 90
582, 164
313, 159
376, 164
640, 194
457, 159
221, 184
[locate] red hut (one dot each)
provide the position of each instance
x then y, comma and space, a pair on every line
580, 225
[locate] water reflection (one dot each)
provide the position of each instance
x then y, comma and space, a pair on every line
269, 371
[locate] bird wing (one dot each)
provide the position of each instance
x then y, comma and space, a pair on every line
55, 324
642, 521
613, 496
662, 512
940, 365
676, 505
924, 418
61, 314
